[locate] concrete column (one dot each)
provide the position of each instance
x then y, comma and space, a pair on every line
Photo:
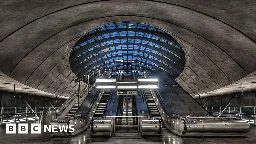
254, 115
2, 110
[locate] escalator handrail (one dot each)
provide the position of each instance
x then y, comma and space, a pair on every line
92, 102
161, 101
68, 101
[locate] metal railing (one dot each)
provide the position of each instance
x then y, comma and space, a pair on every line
71, 101
22, 114
68, 101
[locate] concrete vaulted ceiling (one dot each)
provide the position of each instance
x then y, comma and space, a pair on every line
218, 38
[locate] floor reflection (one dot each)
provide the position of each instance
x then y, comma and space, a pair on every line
85, 138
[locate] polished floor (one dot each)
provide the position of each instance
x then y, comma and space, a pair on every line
84, 138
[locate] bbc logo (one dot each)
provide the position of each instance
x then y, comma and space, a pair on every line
23, 129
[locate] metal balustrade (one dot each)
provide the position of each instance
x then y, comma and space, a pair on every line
245, 113
22, 114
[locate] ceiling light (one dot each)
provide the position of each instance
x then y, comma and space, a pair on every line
105, 80
126, 87
103, 87
148, 80
148, 86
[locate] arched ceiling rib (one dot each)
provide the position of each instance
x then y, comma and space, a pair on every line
217, 47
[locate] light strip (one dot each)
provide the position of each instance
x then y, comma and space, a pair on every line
125, 116
126, 82
105, 80
126, 87
149, 120
102, 120
154, 80
103, 87
148, 86
120, 60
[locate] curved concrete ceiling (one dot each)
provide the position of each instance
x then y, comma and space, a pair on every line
218, 38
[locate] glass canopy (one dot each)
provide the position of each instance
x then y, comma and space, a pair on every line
127, 46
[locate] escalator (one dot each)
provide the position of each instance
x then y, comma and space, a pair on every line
126, 124
148, 112
183, 116
100, 111
153, 110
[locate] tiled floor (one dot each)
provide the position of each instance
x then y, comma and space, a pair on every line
85, 139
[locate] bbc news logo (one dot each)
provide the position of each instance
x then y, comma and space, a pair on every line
37, 128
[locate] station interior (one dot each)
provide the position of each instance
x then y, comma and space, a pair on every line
128, 71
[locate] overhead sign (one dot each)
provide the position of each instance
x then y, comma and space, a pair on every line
123, 92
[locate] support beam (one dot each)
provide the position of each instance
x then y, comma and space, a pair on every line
50, 103
206, 101
29, 105
227, 105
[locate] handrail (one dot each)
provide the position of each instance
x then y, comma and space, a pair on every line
72, 103
68, 101
94, 105
96, 95
159, 97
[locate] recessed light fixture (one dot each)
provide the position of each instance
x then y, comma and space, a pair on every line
26, 88
6, 83
32, 91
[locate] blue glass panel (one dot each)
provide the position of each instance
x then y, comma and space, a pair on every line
124, 40
130, 47
142, 48
102, 28
147, 35
132, 25
121, 25
144, 41
136, 47
151, 43
131, 33
105, 35
155, 37
112, 48
118, 47
123, 33
142, 26
151, 28
139, 34
111, 26
98, 38
117, 41
114, 34
137, 41
124, 46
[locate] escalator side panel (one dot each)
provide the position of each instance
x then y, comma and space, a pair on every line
142, 109
86, 106
172, 94
111, 109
